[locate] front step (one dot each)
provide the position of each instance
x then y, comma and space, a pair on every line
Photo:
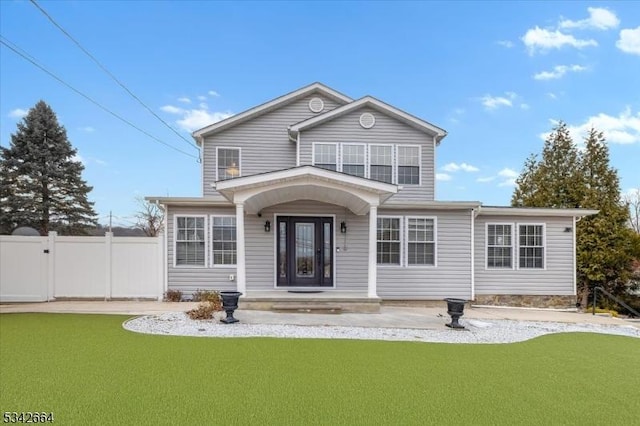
327, 303
307, 308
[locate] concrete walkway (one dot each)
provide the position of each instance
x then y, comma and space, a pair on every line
389, 316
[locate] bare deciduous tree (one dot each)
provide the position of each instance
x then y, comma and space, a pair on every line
150, 218
632, 198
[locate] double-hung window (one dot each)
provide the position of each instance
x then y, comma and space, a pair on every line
531, 246
388, 241
421, 241
408, 165
499, 246
190, 241
228, 163
381, 163
325, 155
353, 159
223, 237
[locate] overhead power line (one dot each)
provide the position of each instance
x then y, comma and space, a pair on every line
33, 61
109, 73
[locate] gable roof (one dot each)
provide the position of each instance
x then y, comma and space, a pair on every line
271, 105
370, 101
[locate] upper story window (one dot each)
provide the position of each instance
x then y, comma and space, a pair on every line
228, 163
531, 246
499, 246
325, 155
408, 165
381, 163
190, 240
353, 159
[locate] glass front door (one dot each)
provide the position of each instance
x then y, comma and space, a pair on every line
305, 251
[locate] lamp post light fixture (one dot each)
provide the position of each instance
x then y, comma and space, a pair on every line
343, 227
267, 226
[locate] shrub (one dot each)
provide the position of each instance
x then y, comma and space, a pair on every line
602, 311
210, 303
173, 296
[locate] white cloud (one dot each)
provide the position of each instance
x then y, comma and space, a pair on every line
101, 162
623, 129
509, 177
540, 39
599, 19
203, 105
524, 106
194, 119
494, 102
506, 43
198, 118
629, 41
552, 95
78, 158
213, 93
18, 113
485, 179
558, 72
184, 100
442, 176
172, 109
202, 98
87, 129
453, 167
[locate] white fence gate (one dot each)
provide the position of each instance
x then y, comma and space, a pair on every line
34, 269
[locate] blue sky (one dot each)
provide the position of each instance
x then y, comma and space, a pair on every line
495, 75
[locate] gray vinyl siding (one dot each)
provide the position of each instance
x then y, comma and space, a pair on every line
351, 263
451, 277
264, 141
556, 279
186, 278
387, 130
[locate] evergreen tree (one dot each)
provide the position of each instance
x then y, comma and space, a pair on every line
567, 178
41, 183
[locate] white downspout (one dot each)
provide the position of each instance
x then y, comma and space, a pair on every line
473, 254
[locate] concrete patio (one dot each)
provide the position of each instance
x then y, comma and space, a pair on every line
389, 316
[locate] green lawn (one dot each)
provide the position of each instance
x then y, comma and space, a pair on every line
87, 369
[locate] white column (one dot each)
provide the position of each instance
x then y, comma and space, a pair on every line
240, 262
373, 258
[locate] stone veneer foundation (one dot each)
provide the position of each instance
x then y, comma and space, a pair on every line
526, 301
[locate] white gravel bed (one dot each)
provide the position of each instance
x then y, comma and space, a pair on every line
494, 331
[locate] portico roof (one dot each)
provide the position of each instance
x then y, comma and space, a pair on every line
257, 192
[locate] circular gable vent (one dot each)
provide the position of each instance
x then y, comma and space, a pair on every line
367, 120
316, 105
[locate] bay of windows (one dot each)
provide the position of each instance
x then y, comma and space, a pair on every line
396, 164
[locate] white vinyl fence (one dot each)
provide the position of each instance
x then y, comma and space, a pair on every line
34, 269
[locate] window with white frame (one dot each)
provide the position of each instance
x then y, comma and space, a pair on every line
228, 163
190, 241
381, 163
499, 246
223, 240
325, 155
353, 159
421, 241
388, 241
531, 246
408, 165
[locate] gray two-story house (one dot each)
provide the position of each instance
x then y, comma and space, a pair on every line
318, 192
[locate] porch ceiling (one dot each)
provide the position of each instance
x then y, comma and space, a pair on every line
305, 183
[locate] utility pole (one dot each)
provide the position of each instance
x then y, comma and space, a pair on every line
110, 220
